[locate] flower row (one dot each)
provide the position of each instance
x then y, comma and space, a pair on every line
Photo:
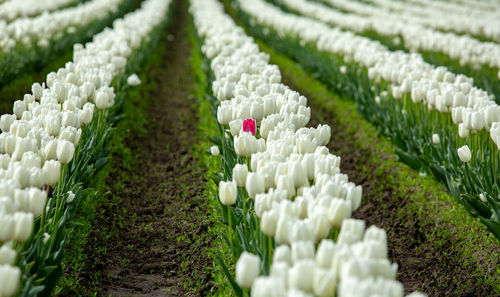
40, 30
486, 25
416, 37
11, 10
473, 108
42, 135
290, 180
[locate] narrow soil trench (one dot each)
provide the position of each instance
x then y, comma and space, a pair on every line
435, 270
150, 236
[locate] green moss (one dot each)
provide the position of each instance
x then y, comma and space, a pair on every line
207, 127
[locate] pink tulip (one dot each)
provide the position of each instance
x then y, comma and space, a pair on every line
249, 126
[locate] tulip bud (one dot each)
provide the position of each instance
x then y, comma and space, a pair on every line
269, 222
133, 80
52, 124
70, 118
224, 114
51, 172
214, 150
282, 254
435, 138
464, 154
324, 282
377, 234
6, 121
302, 250
351, 231
235, 126
249, 126
19, 108
324, 254
301, 275
8, 226
22, 176
283, 227
65, 151
268, 287
354, 196
9, 279
254, 184
285, 183
85, 116
321, 226
227, 192
463, 132
7, 255
247, 269
240, 172
37, 200
24, 226
37, 91
103, 101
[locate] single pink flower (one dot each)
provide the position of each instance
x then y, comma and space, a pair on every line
249, 126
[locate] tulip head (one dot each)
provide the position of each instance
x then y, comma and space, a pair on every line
249, 126
464, 154
247, 269
227, 192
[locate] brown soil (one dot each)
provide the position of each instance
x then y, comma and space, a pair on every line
423, 265
150, 237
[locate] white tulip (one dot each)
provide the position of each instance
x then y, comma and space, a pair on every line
464, 154
247, 269
9, 280
240, 172
65, 151
282, 254
285, 183
254, 184
324, 254
435, 138
6, 121
214, 150
224, 114
321, 226
133, 80
268, 287
354, 196
324, 282
227, 192
301, 275
37, 200
463, 132
269, 222
24, 226
51, 172
351, 231
7, 255
37, 91
19, 108
302, 250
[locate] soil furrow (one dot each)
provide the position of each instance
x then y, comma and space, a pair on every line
150, 236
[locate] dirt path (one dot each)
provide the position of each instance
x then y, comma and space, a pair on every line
150, 238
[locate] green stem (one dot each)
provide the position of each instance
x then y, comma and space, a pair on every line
59, 189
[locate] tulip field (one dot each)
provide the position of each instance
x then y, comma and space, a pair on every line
263, 148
